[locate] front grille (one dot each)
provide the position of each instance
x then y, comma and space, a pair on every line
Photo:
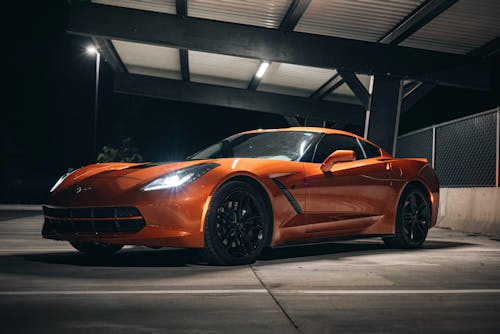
92, 220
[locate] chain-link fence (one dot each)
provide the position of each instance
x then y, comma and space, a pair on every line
464, 152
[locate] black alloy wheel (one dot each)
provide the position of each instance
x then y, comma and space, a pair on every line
237, 225
413, 220
93, 248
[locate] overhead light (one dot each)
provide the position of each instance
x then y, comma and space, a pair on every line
262, 69
91, 50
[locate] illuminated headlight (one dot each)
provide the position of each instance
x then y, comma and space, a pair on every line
61, 179
180, 177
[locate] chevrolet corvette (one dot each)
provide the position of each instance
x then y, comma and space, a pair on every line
256, 189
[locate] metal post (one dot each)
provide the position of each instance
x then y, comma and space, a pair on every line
367, 124
433, 156
385, 106
398, 115
367, 116
96, 100
497, 153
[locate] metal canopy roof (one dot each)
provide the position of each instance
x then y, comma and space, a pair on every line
161, 6
262, 13
159, 61
292, 79
444, 25
221, 70
363, 20
464, 27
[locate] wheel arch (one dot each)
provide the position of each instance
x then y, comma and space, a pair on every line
419, 185
259, 187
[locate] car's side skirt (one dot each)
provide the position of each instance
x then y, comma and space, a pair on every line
323, 240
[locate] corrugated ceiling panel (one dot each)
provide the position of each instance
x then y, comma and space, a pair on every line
221, 70
465, 26
367, 20
343, 90
365, 80
264, 13
148, 59
343, 94
162, 6
292, 79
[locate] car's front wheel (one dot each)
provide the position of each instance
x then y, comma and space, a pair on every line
93, 248
237, 225
413, 220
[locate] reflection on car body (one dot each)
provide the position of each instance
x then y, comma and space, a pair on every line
252, 190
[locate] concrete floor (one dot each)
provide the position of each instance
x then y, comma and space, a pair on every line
450, 286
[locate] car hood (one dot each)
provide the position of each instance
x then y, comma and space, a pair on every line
115, 178
144, 171
140, 172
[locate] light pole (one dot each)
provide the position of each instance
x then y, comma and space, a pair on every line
91, 50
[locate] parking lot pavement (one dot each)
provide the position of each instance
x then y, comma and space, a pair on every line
452, 285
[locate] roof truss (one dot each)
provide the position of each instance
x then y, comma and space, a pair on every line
275, 45
284, 105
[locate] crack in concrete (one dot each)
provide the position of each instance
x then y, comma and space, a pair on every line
292, 322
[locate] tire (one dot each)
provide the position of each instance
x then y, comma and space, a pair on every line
92, 248
237, 225
413, 219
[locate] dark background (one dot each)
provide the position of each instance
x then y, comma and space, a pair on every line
47, 114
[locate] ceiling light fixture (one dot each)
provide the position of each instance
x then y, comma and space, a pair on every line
262, 69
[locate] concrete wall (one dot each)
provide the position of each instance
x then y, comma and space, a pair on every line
474, 210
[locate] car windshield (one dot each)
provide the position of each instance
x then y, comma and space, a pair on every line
276, 145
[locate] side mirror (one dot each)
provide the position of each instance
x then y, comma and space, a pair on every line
336, 157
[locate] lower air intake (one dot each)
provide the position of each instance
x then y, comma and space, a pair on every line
92, 220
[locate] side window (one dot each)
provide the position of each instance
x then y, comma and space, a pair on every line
371, 151
331, 143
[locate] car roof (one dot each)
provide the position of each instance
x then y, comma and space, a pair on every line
318, 130
310, 129
305, 128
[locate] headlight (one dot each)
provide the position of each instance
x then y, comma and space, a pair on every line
180, 177
61, 179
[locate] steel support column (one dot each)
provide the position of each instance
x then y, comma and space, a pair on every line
433, 154
384, 112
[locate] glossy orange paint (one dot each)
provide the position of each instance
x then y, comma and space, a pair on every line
356, 198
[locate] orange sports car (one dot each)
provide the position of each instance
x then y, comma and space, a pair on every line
255, 189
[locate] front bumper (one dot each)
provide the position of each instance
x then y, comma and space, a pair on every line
63, 223
125, 215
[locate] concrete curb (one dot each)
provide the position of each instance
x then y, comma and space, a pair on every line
21, 207
474, 210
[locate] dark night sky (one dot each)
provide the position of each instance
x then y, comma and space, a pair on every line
48, 108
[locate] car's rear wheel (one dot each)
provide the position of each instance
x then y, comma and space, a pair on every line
237, 225
413, 220
93, 248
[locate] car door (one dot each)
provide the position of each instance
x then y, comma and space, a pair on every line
350, 198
